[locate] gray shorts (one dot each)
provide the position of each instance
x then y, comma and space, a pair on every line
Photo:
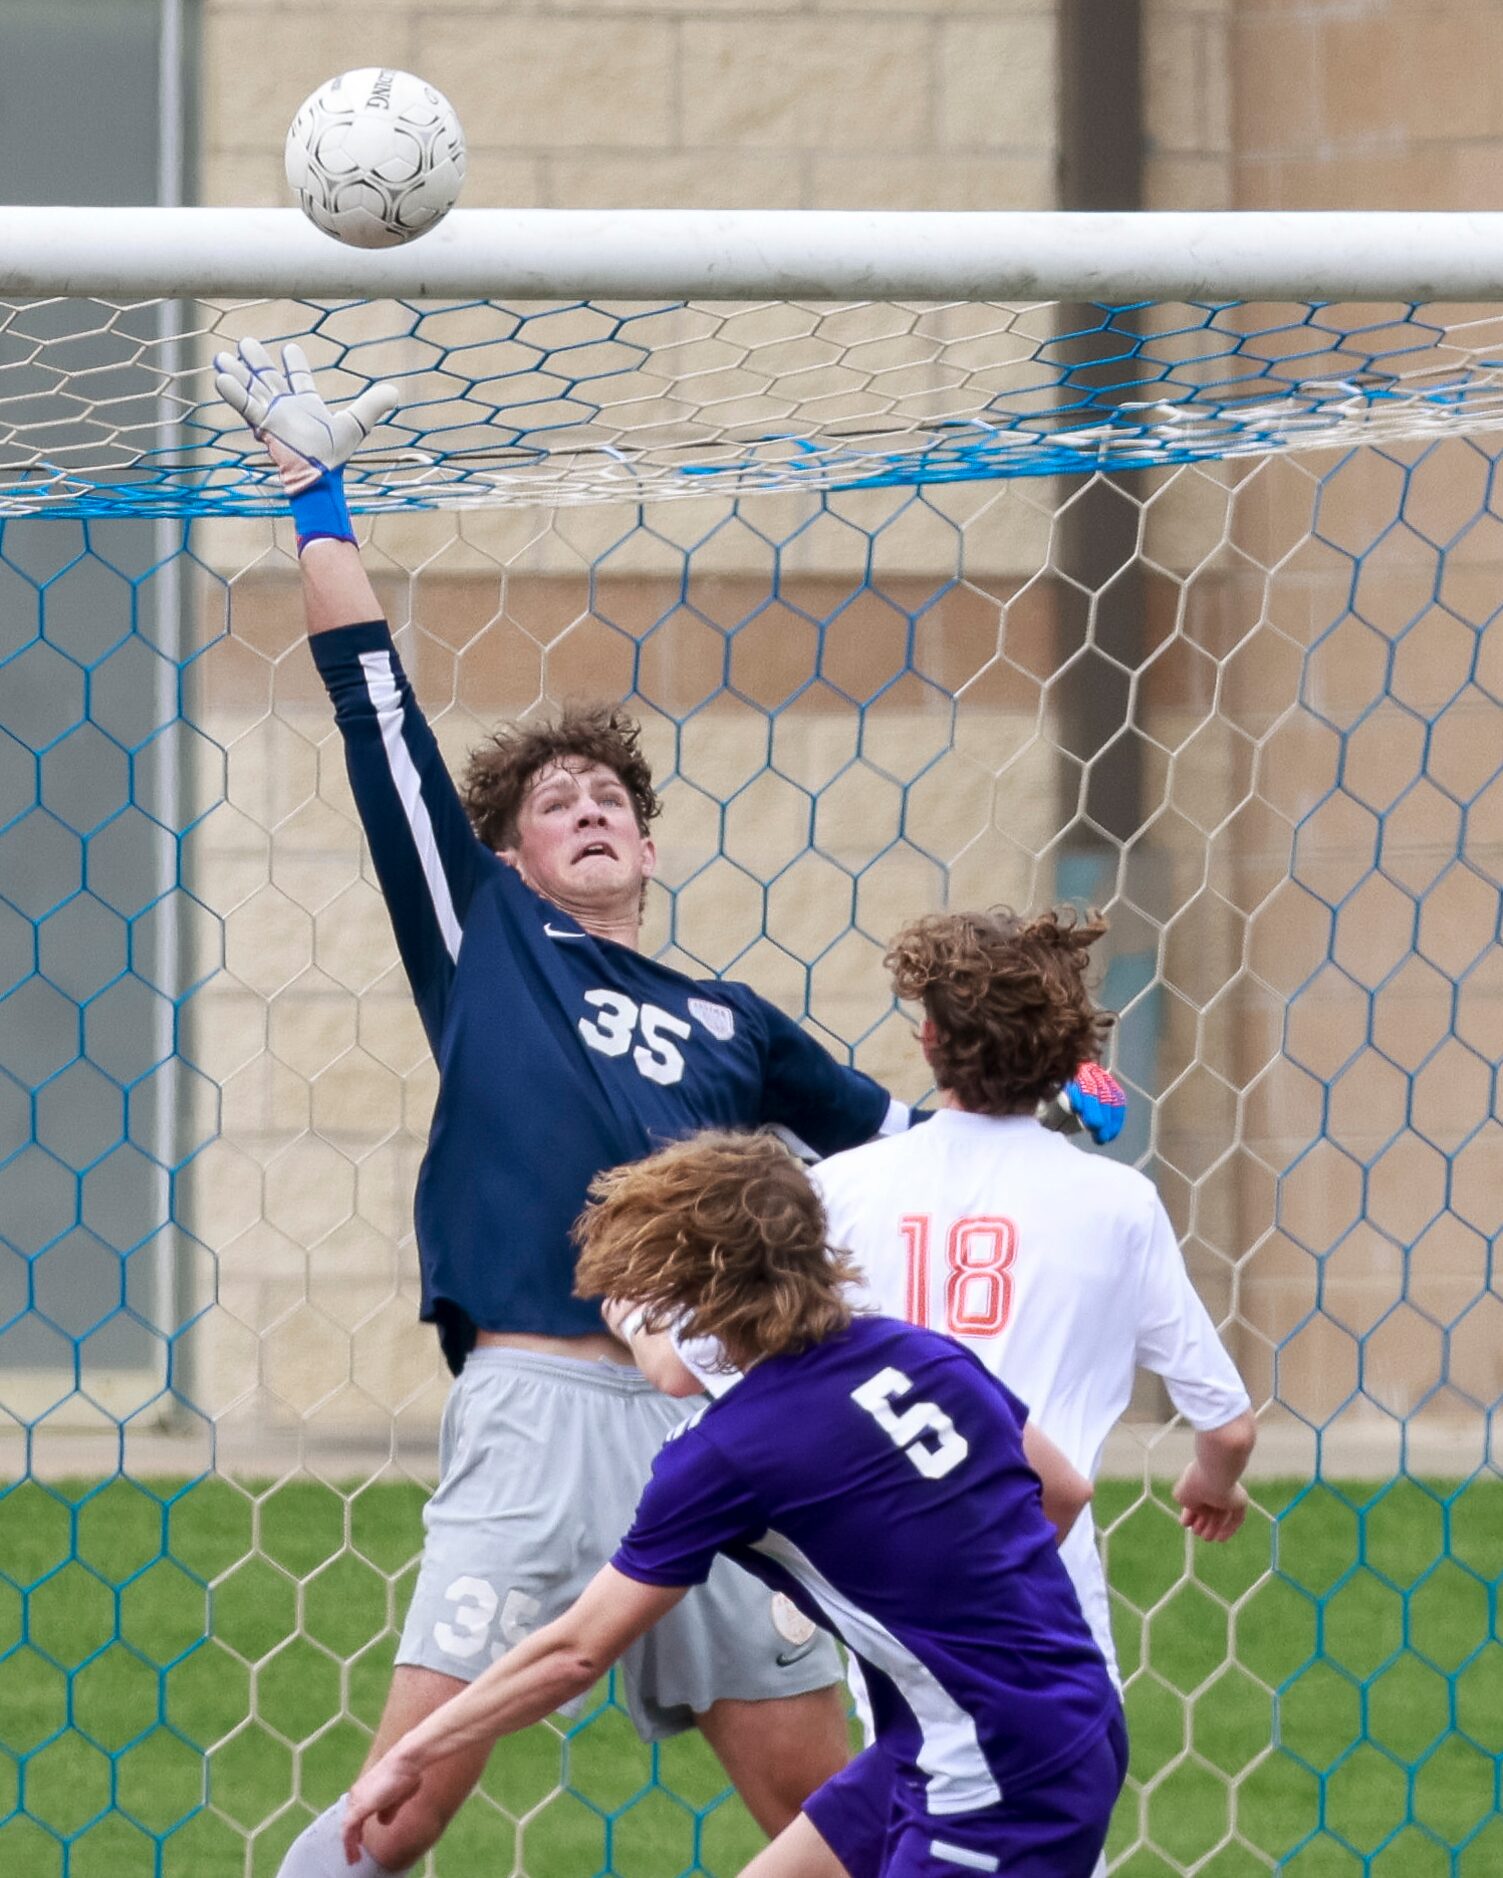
542, 1460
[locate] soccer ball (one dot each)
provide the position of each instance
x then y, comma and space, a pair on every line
376, 157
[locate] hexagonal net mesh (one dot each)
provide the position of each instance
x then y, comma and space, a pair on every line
1252, 706
109, 407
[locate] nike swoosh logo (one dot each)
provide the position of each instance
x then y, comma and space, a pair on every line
558, 932
787, 1658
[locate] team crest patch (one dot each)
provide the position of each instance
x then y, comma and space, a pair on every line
716, 1018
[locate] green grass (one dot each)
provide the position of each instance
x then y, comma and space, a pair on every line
159, 1644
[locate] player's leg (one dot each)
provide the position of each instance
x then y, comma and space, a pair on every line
853, 1812
778, 1750
501, 1555
396, 1845
798, 1852
419, 1825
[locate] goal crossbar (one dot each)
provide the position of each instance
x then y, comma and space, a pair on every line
763, 255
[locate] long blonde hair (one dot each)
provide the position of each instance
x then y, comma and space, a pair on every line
723, 1234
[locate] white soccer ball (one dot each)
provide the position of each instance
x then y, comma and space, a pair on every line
376, 157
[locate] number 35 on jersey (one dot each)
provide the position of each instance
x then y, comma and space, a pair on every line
649, 1032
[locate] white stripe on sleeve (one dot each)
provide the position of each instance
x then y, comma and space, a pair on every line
958, 1777
381, 686
898, 1119
963, 1855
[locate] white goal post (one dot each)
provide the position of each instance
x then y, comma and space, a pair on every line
571, 356
765, 254
954, 399
1151, 562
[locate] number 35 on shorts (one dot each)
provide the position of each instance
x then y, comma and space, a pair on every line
479, 1621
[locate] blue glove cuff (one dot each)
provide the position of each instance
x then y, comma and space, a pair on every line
320, 513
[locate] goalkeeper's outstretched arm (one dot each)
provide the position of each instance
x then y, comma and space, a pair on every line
310, 445
426, 854
336, 588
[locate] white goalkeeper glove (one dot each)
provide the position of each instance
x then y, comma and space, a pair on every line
285, 406
309, 443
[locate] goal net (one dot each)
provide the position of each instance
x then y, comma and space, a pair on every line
1182, 607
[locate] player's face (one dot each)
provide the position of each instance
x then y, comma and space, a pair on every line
578, 843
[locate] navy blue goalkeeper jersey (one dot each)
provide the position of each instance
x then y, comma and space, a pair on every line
558, 1054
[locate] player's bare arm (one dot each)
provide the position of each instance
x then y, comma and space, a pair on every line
653, 1351
1213, 1503
1067, 1492
548, 1669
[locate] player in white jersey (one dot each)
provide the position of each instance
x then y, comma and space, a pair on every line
1059, 1270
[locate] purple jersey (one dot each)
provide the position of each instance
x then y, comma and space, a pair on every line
879, 1480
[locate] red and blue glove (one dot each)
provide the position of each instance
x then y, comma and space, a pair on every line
1094, 1100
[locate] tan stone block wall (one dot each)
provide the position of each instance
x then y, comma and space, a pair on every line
325, 1076
305, 1198
1187, 103
1368, 105
1236, 937
669, 103
1378, 105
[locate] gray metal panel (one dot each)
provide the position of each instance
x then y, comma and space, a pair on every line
78, 100
80, 1202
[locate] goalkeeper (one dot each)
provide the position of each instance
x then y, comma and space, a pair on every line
561, 1051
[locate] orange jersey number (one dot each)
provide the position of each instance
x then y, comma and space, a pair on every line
979, 1253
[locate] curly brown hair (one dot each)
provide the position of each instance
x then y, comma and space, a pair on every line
1007, 997
501, 770
722, 1234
